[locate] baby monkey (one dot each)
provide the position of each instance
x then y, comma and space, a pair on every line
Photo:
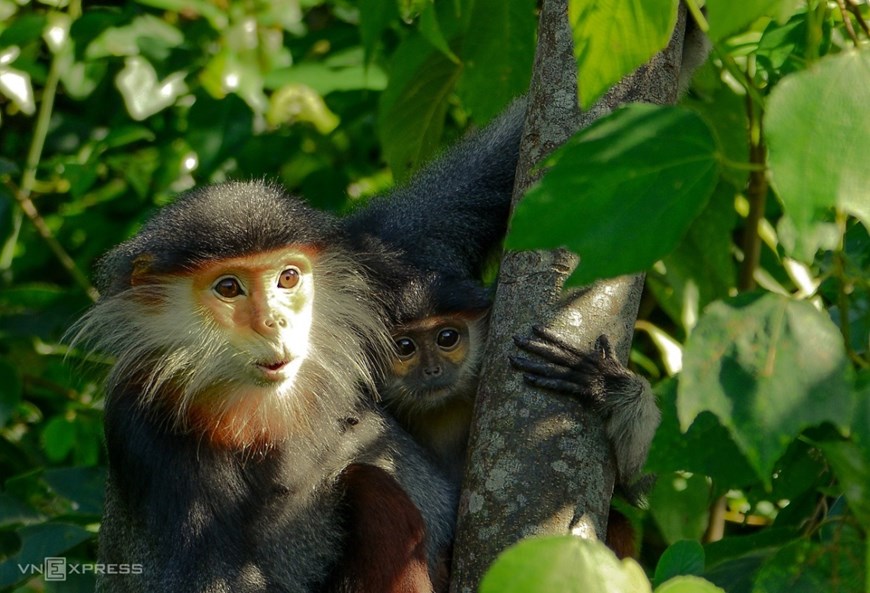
434, 380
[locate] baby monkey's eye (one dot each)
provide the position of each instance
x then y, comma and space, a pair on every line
289, 278
228, 287
447, 338
405, 347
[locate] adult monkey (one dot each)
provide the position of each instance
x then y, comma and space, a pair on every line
248, 330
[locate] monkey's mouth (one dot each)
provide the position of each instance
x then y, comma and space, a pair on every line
274, 371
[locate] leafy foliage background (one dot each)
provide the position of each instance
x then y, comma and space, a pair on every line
748, 208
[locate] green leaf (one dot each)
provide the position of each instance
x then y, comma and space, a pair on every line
817, 136
23, 30
15, 85
737, 575
643, 172
768, 367
130, 40
688, 585
706, 448
497, 53
414, 104
805, 566
84, 486
13, 511
411, 9
685, 557
216, 16
325, 80
431, 30
39, 542
10, 391
296, 103
217, 129
725, 19
58, 438
736, 547
701, 269
565, 564
374, 18
143, 94
611, 39
680, 506
852, 468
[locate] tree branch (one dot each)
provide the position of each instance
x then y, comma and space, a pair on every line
539, 463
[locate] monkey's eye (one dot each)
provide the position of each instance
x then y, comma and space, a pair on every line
228, 287
447, 338
405, 347
289, 278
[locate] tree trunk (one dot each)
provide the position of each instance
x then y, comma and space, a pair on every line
540, 463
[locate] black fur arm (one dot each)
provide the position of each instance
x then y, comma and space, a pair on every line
452, 214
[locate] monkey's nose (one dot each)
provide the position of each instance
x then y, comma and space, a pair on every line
276, 321
270, 324
432, 371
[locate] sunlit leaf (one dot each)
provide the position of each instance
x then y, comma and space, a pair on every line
213, 13
15, 85
298, 103
643, 173
688, 584
818, 135
325, 80
611, 39
143, 94
129, 39
565, 564
768, 367
725, 18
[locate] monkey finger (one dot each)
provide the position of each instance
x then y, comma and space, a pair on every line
547, 350
553, 384
604, 347
545, 369
552, 337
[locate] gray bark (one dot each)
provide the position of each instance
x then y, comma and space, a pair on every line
540, 463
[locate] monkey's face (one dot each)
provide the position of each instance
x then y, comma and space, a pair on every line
435, 358
261, 307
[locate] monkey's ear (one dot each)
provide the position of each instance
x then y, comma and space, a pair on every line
141, 270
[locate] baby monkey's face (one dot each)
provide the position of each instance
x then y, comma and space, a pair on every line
434, 357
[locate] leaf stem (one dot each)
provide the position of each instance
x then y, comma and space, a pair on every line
852, 7
28, 178
847, 22
701, 21
756, 193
